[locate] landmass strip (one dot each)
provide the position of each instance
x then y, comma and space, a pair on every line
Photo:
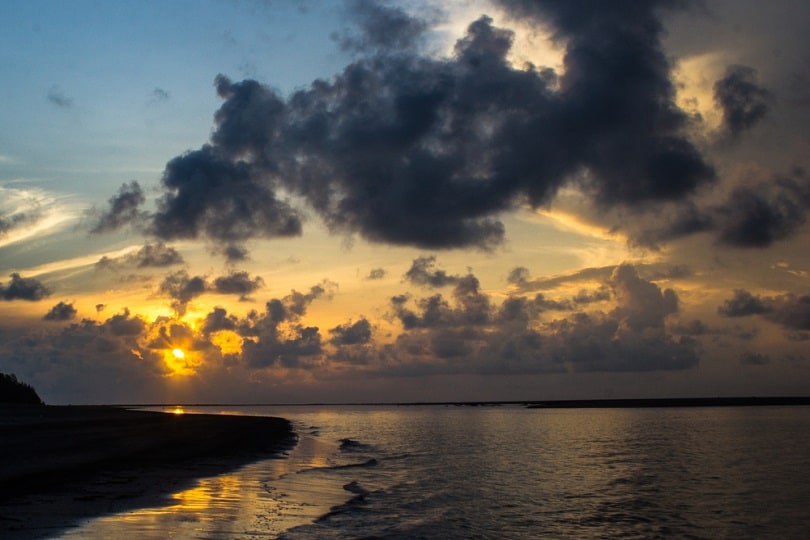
59, 465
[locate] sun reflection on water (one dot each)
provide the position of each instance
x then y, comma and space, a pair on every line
262, 499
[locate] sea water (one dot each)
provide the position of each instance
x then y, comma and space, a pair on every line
503, 472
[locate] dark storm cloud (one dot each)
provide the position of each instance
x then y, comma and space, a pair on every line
423, 272
757, 215
123, 209
238, 283
617, 115
208, 194
352, 333
788, 310
382, 27
743, 304
405, 148
758, 211
61, 312
743, 101
20, 288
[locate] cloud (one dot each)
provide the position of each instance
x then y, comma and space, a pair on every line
743, 304
218, 320
376, 273
759, 214
157, 255
422, 272
61, 312
382, 28
238, 283
277, 337
742, 100
57, 97
788, 310
20, 288
208, 194
182, 288
759, 210
405, 148
471, 334
351, 334
18, 220
159, 94
123, 209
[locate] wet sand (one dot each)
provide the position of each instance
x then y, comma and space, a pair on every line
60, 465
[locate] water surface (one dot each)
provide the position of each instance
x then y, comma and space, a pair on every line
505, 472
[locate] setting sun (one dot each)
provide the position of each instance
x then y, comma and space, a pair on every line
178, 353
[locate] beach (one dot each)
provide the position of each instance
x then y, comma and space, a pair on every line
62, 464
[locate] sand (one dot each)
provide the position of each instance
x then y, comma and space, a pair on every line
61, 465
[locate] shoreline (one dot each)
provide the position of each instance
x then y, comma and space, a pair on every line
60, 465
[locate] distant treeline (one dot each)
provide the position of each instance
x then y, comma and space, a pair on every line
15, 391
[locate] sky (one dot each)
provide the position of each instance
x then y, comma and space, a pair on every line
245, 201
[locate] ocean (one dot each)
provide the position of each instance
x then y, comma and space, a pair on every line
502, 472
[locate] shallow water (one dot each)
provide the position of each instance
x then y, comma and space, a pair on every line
505, 472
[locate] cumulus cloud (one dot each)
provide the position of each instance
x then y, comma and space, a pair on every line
277, 336
123, 209
20, 288
208, 194
157, 255
423, 272
743, 304
788, 310
761, 213
406, 148
470, 333
238, 283
743, 101
758, 211
61, 312
352, 333
182, 288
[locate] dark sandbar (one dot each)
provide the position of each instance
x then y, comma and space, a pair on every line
59, 465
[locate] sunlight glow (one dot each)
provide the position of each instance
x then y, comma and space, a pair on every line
178, 353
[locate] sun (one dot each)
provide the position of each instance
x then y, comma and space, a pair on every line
178, 353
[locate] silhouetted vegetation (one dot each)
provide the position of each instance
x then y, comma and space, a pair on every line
15, 391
